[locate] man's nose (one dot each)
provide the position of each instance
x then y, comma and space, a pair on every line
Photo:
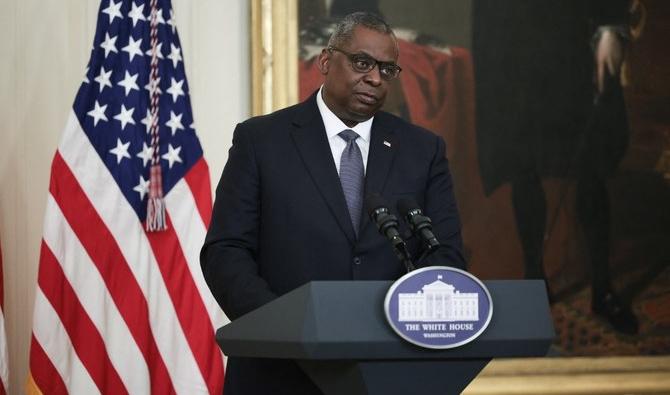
373, 76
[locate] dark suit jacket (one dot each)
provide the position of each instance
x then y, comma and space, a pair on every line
280, 220
534, 85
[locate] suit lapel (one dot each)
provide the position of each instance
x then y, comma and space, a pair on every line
309, 136
383, 145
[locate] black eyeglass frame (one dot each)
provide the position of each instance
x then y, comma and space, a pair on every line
355, 57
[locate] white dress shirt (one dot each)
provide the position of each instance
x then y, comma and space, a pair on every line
334, 126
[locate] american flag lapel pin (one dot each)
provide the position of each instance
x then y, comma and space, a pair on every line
386, 143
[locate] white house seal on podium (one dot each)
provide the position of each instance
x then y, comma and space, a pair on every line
438, 307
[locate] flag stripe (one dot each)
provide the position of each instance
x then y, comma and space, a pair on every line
43, 373
95, 299
108, 258
181, 205
88, 343
192, 314
191, 233
120, 219
198, 181
56, 344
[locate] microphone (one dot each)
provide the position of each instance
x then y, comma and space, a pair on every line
387, 224
418, 223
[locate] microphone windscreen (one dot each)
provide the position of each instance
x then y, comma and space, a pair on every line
374, 201
405, 205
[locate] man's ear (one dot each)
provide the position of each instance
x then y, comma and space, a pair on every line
324, 61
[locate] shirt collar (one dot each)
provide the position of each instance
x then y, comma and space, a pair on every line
334, 125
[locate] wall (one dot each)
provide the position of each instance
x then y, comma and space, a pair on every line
45, 48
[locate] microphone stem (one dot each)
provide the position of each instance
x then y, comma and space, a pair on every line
408, 265
404, 256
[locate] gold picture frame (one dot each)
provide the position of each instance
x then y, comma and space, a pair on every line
274, 50
274, 54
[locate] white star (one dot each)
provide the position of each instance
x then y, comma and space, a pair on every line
176, 90
159, 51
98, 113
104, 78
142, 187
113, 10
175, 122
125, 116
136, 14
146, 154
129, 82
172, 155
86, 81
147, 121
159, 16
133, 48
172, 21
109, 45
155, 84
175, 55
121, 150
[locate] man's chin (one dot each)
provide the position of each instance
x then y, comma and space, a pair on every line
363, 113
351, 120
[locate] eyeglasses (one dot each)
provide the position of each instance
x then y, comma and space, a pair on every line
363, 63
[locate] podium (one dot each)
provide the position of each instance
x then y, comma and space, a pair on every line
338, 334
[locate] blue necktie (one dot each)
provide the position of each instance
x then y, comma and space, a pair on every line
352, 176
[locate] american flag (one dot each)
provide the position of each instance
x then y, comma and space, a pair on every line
118, 308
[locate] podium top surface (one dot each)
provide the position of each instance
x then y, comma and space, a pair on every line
345, 320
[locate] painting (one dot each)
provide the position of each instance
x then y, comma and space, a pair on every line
559, 175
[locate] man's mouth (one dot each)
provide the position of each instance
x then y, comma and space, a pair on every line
367, 98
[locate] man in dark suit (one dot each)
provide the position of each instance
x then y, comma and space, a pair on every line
289, 210
542, 114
